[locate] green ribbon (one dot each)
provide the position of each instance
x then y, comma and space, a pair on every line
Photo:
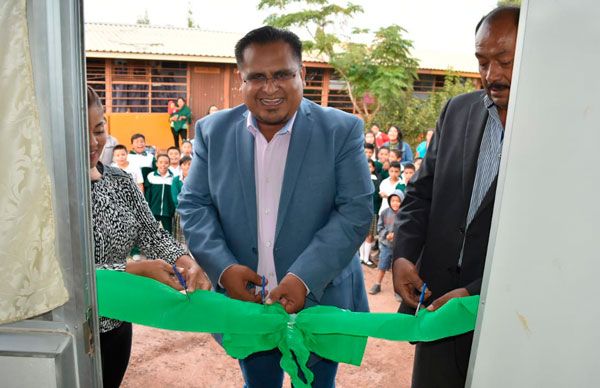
330, 332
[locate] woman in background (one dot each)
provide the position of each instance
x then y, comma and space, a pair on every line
121, 220
181, 120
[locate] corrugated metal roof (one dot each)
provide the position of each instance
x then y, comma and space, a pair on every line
191, 44
156, 42
444, 60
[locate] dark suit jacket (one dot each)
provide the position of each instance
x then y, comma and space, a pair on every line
431, 226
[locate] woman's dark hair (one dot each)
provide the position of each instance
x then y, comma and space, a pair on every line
400, 136
92, 98
183, 99
268, 34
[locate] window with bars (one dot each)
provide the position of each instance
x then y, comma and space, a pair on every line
428, 83
96, 77
314, 85
338, 95
137, 86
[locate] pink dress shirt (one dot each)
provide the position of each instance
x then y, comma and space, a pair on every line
269, 166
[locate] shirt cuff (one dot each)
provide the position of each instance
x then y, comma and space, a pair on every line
222, 272
298, 277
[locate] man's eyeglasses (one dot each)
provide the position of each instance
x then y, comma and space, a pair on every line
279, 77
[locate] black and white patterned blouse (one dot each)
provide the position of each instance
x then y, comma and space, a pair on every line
122, 220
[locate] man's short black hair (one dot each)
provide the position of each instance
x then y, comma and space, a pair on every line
137, 136
268, 34
173, 148
499, 12
370, 146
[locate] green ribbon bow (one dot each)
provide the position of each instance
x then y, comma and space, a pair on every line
332, 333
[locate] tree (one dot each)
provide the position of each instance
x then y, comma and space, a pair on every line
375, 75
509, 2
143, 19
190, 17
422, 114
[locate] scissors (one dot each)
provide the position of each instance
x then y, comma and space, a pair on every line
421, 298
181, 280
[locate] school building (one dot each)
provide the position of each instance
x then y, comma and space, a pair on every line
137, 69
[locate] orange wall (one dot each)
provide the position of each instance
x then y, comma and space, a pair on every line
154, 126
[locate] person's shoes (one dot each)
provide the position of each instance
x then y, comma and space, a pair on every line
398, 297
376, 289
368, 263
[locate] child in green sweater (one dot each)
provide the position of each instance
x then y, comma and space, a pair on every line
158, 192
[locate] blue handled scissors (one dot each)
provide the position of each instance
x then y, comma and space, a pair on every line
421, 298
181, 280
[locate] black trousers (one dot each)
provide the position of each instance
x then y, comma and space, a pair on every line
115, 348
182, 132
442, 363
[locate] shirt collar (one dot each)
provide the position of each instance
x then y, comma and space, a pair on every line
492, 109
132, 152
253, 126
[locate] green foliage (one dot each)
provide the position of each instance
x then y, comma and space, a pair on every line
379, 76
509, 2
143, 19
421, 114
190, 17
381, 71
314, 16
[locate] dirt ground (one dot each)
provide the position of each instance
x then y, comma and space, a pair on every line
163, 358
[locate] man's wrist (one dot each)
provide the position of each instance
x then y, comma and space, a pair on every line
299, 278
221, 275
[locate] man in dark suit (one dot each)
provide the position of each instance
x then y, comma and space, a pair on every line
445, 220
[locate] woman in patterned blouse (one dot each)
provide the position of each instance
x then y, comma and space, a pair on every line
122, 220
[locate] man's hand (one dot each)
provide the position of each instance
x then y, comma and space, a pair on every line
195, 277
407, 282
390, 236
290, 292
156, 269
236, 279
439, 302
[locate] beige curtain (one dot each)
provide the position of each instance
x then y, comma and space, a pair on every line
31, 282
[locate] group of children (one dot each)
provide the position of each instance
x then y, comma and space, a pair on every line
159, 176
389, 175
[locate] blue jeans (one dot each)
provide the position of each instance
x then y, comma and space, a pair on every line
385, 257
262, 370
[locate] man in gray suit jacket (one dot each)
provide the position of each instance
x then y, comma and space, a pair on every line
279, 187
445, 219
